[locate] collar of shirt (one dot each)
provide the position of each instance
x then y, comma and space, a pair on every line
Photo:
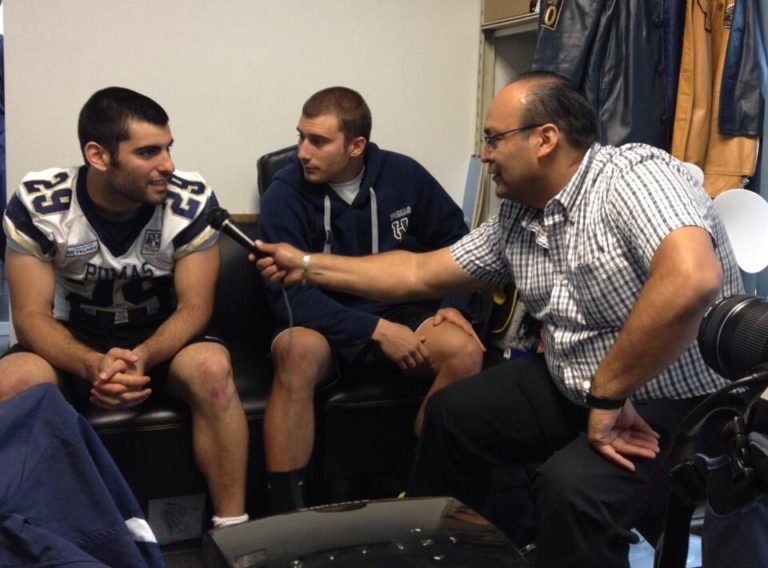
558, 210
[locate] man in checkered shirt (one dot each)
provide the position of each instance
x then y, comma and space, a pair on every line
619, 253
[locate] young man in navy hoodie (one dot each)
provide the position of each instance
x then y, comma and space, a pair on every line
340, 193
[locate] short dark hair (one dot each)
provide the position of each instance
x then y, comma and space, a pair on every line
555, 99
105, 115
346, 105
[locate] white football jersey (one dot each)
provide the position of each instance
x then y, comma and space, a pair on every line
109, 274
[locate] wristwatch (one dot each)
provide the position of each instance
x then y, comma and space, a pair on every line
604, 403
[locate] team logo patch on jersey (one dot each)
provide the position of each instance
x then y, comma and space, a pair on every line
151, 242
82, 250
550, 13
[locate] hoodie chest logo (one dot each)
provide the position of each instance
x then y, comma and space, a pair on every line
399, 222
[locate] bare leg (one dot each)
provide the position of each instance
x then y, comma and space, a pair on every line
201, 374
455, 356
302, 359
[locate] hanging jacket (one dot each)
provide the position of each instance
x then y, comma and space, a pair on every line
399, 206
613, 50
719, 104
741, 98
674, 21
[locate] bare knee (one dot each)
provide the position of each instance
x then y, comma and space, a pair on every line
468, 357
205, 380
20, 371
457, 354
302, 358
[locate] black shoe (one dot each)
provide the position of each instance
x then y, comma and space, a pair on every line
528, 552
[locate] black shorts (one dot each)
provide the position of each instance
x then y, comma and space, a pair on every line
410, 315
371, 355
129, 337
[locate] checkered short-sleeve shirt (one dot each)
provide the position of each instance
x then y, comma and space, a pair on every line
582, 261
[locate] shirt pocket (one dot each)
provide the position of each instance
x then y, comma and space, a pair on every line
605, 288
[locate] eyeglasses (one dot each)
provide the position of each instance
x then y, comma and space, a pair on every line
492, 139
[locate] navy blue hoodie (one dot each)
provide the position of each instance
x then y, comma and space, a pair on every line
413, 212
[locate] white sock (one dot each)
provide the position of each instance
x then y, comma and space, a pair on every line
219, 522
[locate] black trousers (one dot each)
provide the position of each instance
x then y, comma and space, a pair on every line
512, 416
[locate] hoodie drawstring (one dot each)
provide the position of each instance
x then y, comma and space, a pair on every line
374, 223
327, 224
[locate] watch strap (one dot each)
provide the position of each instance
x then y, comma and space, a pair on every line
604, 403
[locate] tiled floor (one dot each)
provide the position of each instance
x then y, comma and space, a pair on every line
183, 554
641, 554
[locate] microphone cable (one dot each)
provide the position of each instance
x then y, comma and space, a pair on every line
219, 219
287, 306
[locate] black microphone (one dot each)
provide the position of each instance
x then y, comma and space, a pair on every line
218, 218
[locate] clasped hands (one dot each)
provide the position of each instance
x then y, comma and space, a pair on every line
118, 379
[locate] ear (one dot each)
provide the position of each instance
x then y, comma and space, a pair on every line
96, 156
548, 139
357, 147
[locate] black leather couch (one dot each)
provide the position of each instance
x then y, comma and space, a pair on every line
364, 423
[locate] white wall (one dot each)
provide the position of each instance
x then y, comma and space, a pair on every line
233, 75
514, 49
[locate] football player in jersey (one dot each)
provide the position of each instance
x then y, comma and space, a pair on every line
111, 268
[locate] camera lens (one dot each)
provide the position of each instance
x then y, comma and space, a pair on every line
733, 336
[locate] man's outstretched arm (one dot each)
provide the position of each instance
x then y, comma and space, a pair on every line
390, 276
